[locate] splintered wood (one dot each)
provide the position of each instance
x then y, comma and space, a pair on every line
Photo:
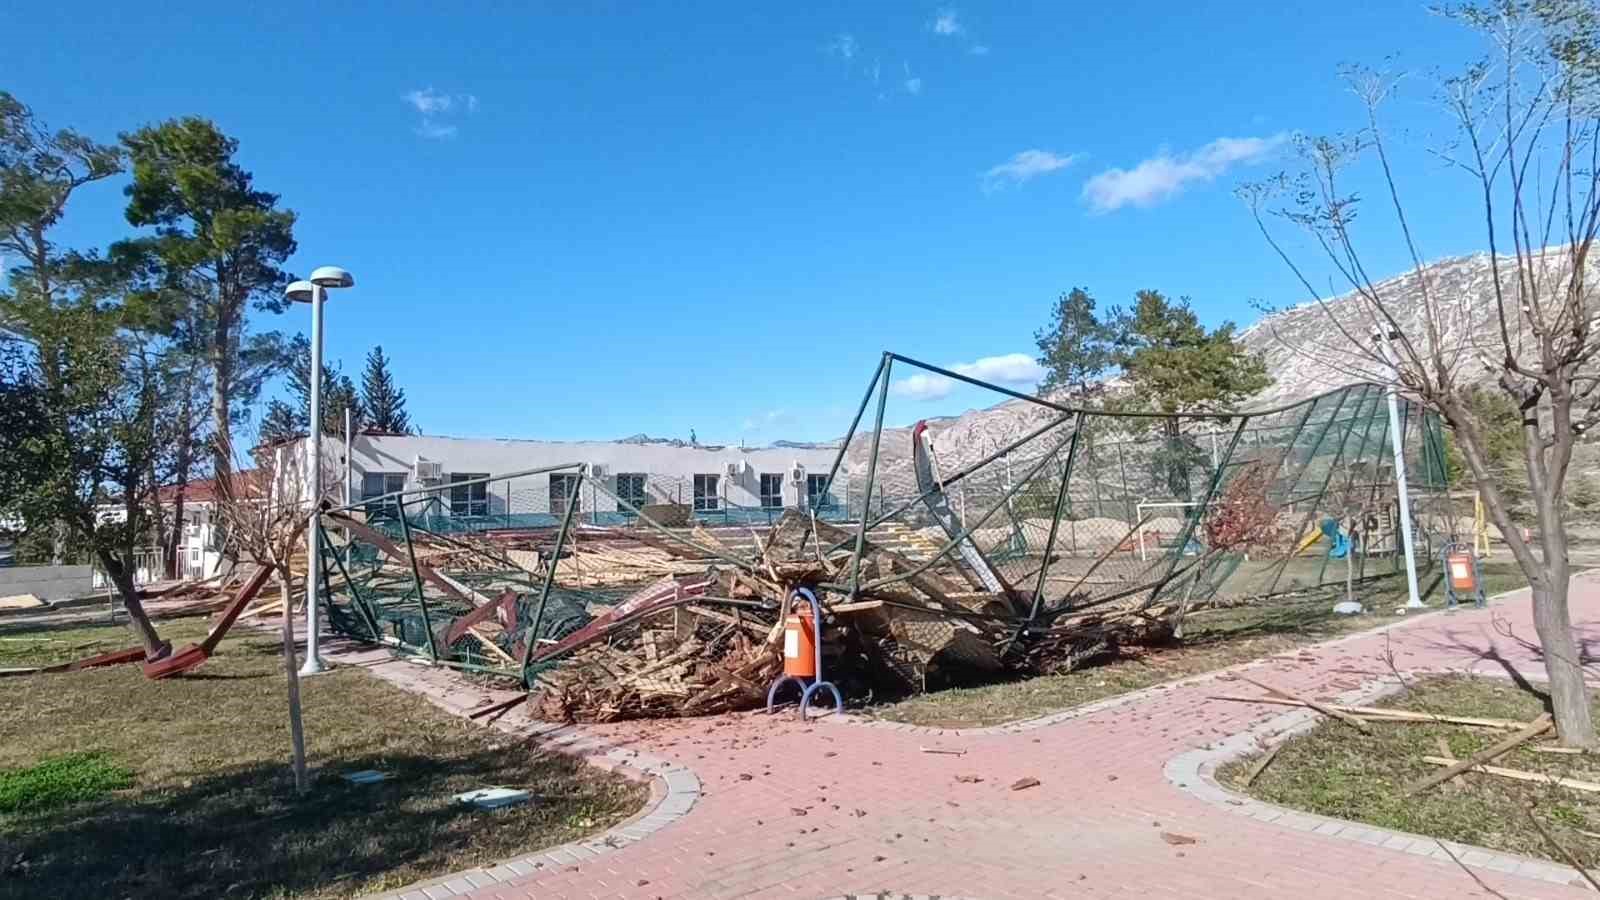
684, 660
707, 637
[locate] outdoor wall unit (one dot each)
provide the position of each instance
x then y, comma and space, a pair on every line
428, 471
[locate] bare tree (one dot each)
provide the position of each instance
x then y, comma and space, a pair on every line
266, 517
1526, 120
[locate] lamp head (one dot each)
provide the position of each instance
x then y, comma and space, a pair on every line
332, 277
300, 291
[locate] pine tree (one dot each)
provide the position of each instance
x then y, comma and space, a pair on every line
381, 399
1076, 347
338, 393
280, 423
1177, 365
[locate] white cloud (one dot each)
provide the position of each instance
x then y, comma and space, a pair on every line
428, 101
1163, 176
844, 46
1011, 370
946, 23
435, 108
1024, 167
913, 84
979, 50
435, 130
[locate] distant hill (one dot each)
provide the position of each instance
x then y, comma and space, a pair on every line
1305, 352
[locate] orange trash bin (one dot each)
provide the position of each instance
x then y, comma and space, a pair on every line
799, 646
1463, 574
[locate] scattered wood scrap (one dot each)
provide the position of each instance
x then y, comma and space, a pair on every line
1386, 714
1576, 784
1535, 728
1261, 764
1323, 708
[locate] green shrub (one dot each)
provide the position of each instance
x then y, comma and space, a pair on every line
58, 781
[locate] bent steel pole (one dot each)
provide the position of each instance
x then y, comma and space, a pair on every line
884, 369
1397, 442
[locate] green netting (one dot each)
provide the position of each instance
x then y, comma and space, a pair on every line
1042, 509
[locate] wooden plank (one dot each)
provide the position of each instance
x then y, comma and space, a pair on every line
1261, 764
493, 648
855, 607
1399, 715
1344, 717
1537, 727
1521, 775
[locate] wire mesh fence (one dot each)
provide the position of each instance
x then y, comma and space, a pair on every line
1000, 528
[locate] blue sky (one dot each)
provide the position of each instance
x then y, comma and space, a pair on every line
588, 220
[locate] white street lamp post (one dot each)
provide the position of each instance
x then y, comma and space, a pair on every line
315, 292
1397, 441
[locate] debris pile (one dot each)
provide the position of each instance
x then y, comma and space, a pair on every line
710, 643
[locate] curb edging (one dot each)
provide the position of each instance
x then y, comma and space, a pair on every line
674, 791
1194, 773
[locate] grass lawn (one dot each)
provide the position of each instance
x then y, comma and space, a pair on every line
182, 788
59, 643
1213, 639
1336, 771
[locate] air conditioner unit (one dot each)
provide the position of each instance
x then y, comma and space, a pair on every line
594, 470
797, 473
428, 471
738, 468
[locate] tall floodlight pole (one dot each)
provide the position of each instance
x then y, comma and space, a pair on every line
1397, 441
315, 292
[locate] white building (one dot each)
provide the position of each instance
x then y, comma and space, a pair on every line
707, 480
717, 484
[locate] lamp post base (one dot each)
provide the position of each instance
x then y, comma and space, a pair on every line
314, 665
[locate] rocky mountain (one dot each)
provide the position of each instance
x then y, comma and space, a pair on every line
1308, 353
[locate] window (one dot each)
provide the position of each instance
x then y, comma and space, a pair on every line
630, 488
469, 499
705, 492
815, 498
563, 490
378, 484
771, 491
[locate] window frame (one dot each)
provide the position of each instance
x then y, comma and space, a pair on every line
639, 498
473, 499
707, 492
814, 486
558, 505
770, 499
390, 482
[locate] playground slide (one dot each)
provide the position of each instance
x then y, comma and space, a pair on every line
938, 504
1305, 543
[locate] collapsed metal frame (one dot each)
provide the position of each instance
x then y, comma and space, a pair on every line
853, 590
367, 607
365, 603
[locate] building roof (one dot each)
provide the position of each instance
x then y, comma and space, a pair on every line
205, 490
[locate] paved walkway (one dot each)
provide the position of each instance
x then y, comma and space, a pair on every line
839, 807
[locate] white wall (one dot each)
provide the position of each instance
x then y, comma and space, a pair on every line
669, 469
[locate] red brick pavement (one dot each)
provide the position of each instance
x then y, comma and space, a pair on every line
831, 808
